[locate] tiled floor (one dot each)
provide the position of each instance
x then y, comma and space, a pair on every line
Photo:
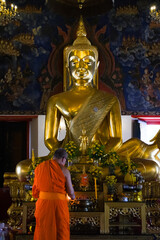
97, 237
7, 234
113, 237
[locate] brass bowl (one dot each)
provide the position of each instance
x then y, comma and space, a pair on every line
84, 205
84, 202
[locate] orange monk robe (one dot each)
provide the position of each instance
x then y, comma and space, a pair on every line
52, 216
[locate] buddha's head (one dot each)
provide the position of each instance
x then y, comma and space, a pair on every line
80, 61
83, 131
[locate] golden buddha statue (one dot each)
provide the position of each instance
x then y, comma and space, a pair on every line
83, 105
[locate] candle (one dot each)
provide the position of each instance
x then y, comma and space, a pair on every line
3, 4
129, 162
153, 8
95, 184
33, 157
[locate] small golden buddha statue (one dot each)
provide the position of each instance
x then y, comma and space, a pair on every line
83, 104
83, 142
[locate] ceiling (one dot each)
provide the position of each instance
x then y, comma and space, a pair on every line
71, 7
95, 7
85, 3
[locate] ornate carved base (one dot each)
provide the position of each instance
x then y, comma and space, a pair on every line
87, 225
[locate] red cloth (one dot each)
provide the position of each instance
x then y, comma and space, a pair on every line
52, 216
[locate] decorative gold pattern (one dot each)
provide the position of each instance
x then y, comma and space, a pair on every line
27, 39
30, 9
94, 221
152, 49
7, 48
130, 42
18, 195
127, 10
135, 212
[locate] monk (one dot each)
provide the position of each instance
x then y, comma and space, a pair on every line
52, 182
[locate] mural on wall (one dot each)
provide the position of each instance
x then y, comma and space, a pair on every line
31, 57
138, 56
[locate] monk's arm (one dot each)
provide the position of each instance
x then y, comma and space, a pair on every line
69, 186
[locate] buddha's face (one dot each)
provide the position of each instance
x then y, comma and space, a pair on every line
82, 66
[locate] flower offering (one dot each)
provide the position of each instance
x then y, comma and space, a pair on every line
72, 150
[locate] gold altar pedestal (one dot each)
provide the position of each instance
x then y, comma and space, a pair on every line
112, 209
148, 211
97, 218
28, 216
28, 221
18, 195
93, 213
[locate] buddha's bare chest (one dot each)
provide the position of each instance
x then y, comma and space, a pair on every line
72, 105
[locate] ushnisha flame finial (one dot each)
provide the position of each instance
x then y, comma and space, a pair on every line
81, 34
81, 28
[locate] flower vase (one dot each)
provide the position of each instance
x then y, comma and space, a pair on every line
111, 193
96, 162
111, 170
111, 189
69, 162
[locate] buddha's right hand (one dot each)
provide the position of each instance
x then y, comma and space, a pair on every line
52, 144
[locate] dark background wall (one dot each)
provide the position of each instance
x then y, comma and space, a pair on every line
32, 45
13, 146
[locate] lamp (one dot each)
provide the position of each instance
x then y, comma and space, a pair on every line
80, 3
7, 14
155, 14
